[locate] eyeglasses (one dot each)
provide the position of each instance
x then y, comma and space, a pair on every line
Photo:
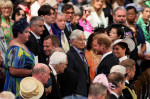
6, 7
131, 14
69, 12
80, 40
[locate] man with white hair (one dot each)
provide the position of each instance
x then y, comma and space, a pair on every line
77, 61
65, 76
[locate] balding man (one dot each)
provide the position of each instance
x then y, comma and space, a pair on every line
102, 44
42, 73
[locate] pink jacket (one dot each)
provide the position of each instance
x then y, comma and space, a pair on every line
89, 27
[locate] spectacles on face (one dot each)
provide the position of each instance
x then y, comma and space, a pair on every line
80, 40
69, 12
133, 14
6, 8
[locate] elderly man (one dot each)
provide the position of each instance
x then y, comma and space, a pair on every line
128, 91
77, 61
102, 44
97, 91
41, 72
66, 77
117, 83
34, 43
60, 21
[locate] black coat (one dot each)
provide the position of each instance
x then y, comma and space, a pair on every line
76, 64
36, 48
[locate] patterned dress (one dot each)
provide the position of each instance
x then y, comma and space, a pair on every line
19, 58
7, 29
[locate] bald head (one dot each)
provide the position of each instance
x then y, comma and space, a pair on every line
38, 68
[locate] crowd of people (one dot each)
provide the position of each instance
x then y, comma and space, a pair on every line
73, 49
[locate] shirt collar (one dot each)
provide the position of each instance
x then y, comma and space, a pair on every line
47, 26
37, 37
106, 55
115, 94
122, 58
67, 23
127, 81
78, 51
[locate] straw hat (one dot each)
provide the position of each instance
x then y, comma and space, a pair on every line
52, 3
30, 88
128, 41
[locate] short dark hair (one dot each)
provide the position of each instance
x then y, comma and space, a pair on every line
120, 30
115, 78
89, 41
17, 11
131, 7
45, 10
54, 38
19, 27
67, 7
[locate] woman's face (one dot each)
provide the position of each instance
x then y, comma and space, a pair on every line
131, 15
25, 35
86, 13
6, 11
98, 4
113, 34
21, 14
118, 51
146, 13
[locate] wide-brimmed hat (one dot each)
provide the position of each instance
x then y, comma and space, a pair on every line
135, 6
30, 88
128, 41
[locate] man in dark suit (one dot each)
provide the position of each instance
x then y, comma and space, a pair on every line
66, 78
48, 14
128, 90
102, 44
69, 12
77, 61
117, 83
34, 43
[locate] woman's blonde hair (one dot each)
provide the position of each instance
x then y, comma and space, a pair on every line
93, 9
6, 3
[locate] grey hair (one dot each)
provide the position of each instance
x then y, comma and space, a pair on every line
118, 8
57, 49
75, 34
34, 20
60, 13
57, 58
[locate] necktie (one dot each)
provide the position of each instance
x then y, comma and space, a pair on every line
84, 60
69, 26
62, 36
51, 32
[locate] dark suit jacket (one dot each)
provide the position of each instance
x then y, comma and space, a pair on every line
76, 64
67, 33
112, 96
106, 64
36, 49
45, 33
68, 82
55, 93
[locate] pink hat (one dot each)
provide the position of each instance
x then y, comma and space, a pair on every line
101, 78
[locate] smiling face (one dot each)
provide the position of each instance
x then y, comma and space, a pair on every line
98, 4
118, 51
6, 11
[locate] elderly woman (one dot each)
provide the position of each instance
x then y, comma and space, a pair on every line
97, 15
19, 59
6, 8
123, 47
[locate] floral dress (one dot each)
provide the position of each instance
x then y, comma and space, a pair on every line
7, 29
18, 58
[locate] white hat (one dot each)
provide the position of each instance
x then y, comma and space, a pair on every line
118, 68
52, 3
128, 41
31, 88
